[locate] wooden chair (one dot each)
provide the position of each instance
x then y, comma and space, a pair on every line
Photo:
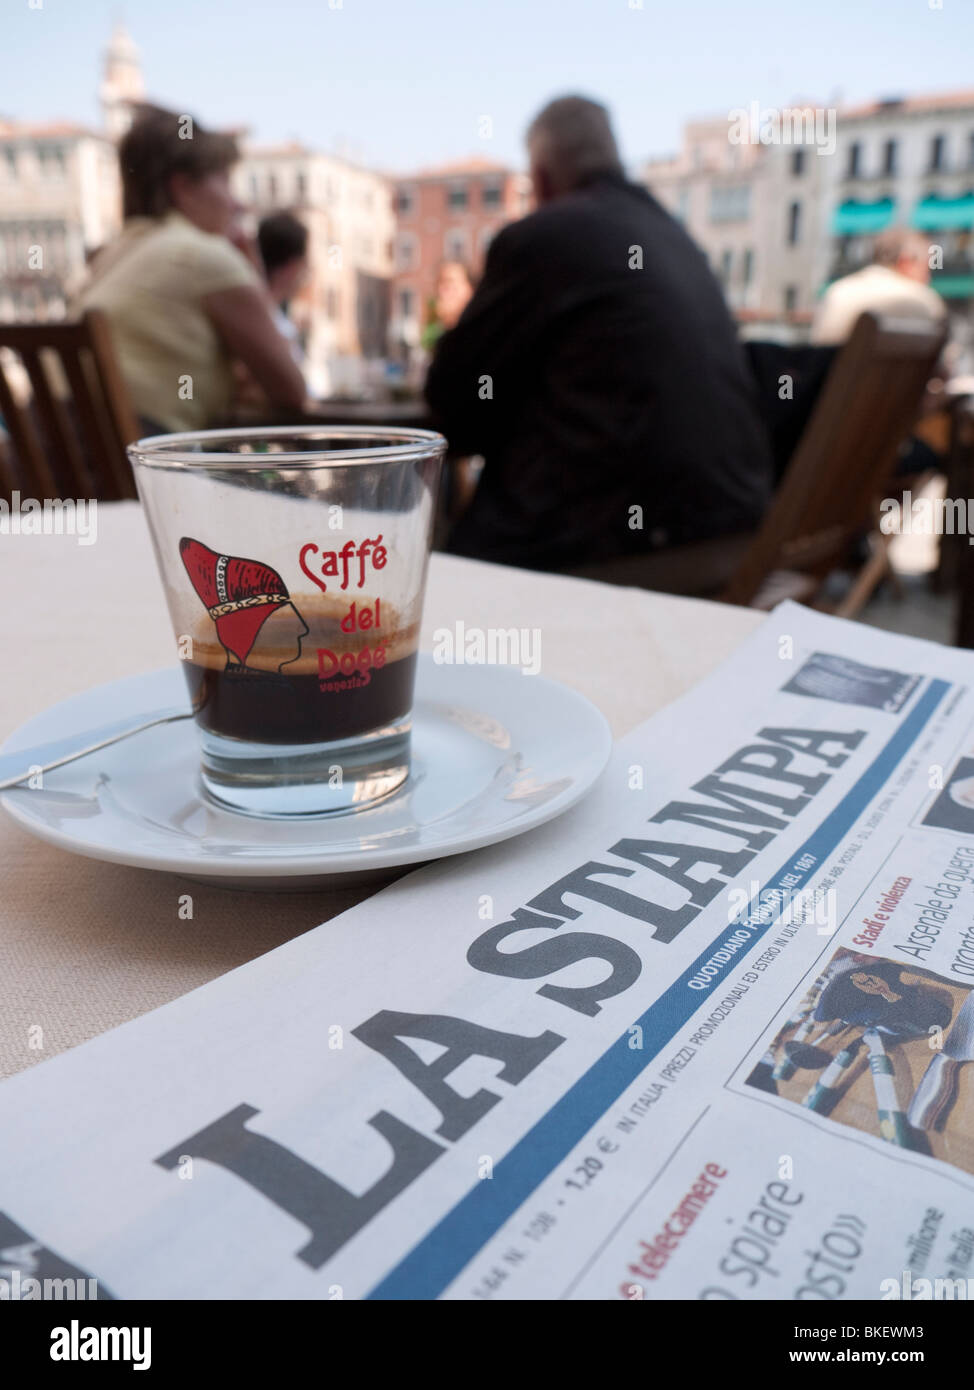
65, 407
831, 490
956, 571
829, 494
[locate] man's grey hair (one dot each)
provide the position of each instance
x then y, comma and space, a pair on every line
899, 243
571, 139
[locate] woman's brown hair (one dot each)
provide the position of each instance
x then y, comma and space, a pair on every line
160, 143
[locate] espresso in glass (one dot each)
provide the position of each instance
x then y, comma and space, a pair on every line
309, 681
294, 562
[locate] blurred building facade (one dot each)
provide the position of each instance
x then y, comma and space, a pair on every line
907, 161
59, 201
342, 313
754, 210
778, 221
447, 213
122, 85
60, 193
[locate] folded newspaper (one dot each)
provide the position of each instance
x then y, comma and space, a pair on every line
707, 1036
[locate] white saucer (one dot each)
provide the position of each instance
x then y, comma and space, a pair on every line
495, 753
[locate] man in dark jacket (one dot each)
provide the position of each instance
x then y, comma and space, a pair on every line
598, 371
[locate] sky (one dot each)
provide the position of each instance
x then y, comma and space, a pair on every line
400, 84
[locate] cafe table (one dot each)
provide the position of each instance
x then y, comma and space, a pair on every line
86, 945
412, 413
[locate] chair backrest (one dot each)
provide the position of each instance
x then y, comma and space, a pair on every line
65, 407
788, 378
831, 487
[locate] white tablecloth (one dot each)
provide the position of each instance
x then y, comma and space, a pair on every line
86, 945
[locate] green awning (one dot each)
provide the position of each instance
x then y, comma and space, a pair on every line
862, 219
943, 214
954, 286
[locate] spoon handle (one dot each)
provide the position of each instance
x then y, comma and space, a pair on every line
28, 762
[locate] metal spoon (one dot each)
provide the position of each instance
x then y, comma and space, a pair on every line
28, 762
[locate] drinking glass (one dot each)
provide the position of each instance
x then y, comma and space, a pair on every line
294, 564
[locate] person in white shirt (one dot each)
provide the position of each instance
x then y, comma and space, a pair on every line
283, 243
185, 302
896, 284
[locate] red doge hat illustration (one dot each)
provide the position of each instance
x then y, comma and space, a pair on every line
240, 595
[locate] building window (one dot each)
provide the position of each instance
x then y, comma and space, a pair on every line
406, 252
405, 202
51, 161
889, 157
457, 197
455, 246
682, 210
486, 237
272, 187
937, 149
747, 269
12, 163
791, 299
57, 242
794, 223
853, 169
490, 195
798, 163
726, 266
301, 187
406, 302
730, 204
970, 150
254, 188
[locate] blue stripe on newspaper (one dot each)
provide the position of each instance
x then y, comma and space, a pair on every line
450, 1245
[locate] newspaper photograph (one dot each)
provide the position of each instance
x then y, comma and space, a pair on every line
705, 1037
